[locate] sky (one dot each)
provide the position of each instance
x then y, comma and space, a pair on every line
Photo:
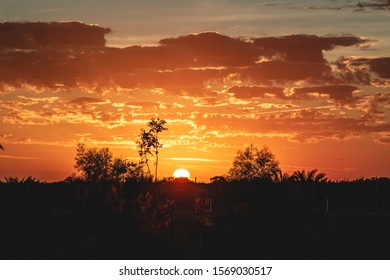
309, 79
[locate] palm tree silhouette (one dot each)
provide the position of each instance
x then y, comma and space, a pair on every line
309, 176
281, 177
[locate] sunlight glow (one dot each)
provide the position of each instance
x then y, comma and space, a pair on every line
181, 173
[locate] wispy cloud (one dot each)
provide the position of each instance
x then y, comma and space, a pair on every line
194, 159
19, 157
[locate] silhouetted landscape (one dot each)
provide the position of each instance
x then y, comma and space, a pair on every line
100, 104
117, 209
181, 219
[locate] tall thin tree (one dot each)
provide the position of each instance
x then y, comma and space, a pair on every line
149, 144
156, 126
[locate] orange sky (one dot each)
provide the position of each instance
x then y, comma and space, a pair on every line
318, 101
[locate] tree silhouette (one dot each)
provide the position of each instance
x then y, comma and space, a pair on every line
144, 145
281, 177
15, 180
253, 163
309, 176
1, 147
218, 179
98, 165
123, 170
93, 162
149, 144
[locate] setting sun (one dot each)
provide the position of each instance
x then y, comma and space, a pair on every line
181, 173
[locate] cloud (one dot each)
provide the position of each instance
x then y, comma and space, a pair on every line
384, 138
19, 157
380, 66
32, 35
194, 159
366, 71
339, 93
249, 92
374, 4
283, 71
72, 55
373, 106
10, 138
211, 49
302, 47
356, 5
351, 70
180, 81
308, 125
82, 101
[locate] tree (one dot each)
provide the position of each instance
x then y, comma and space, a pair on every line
122, 170
149, 144
281, 177
217, 179
98, 165
253, 163
309, 176
1, 147
16, 180
144, 145
94, 163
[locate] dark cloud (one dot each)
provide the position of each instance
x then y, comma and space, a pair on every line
356, 5
336, 92
286, 71
47, 68
68, 55
212, 49
349, 71
339, 93
360, 70
208, 49
248, 92
31, 35
376, 4
380, 66
303, 48
86, 101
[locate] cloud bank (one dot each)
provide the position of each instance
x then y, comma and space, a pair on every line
275, 86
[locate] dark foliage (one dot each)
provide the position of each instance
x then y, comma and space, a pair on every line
260, 219
98, 165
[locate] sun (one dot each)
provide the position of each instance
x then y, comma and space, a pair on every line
181, 173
